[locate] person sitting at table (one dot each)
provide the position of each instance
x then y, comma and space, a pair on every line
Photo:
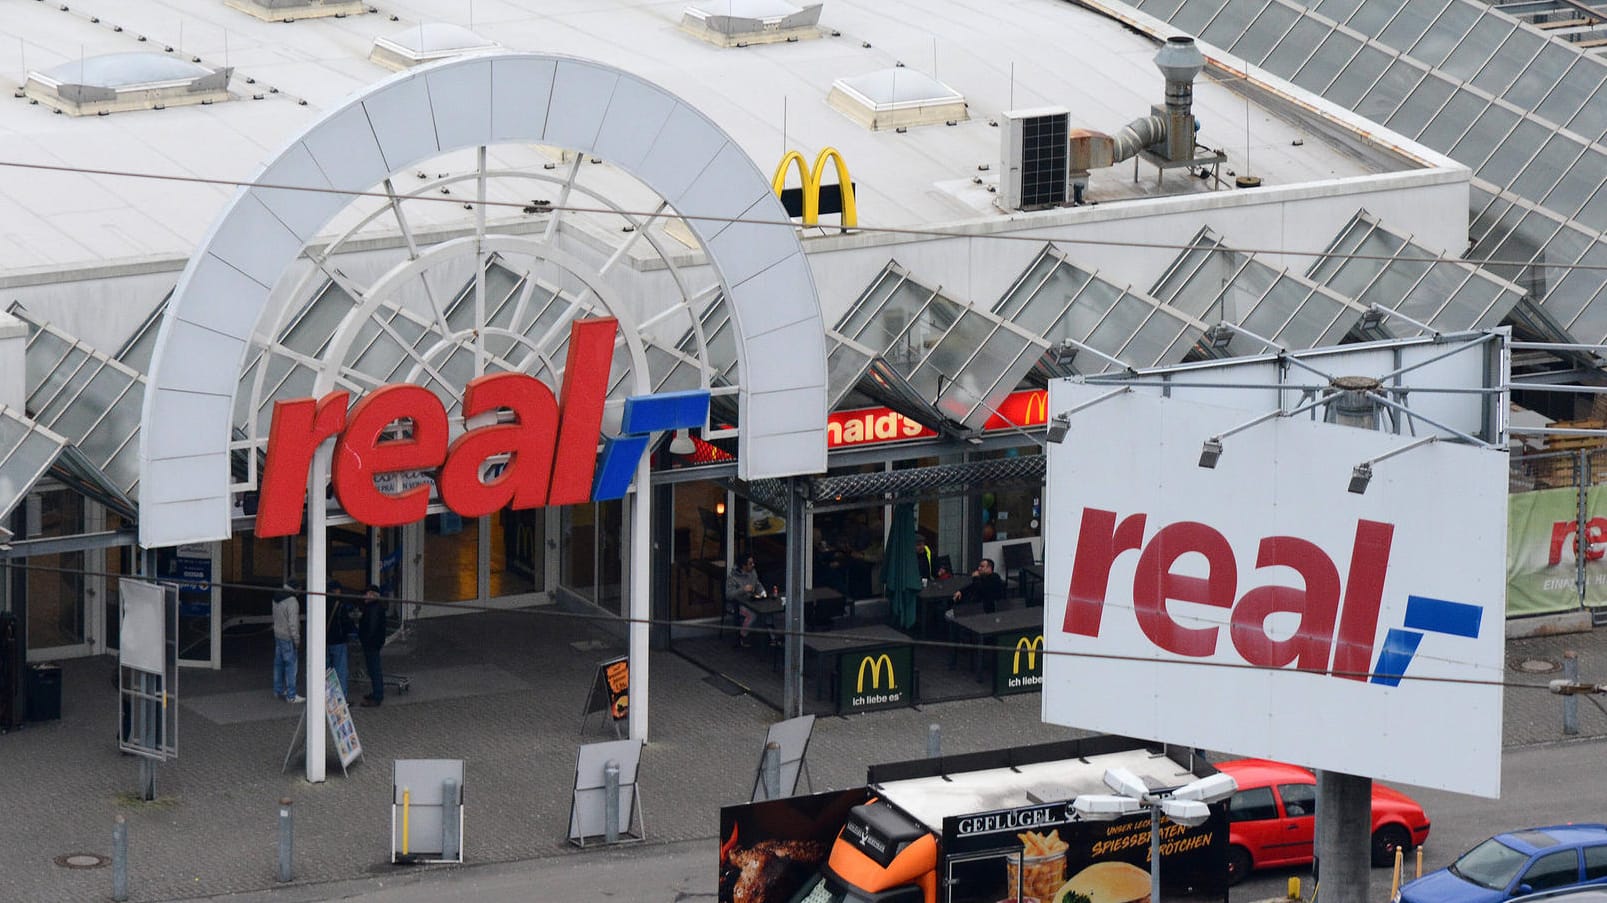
986, 587
744, 585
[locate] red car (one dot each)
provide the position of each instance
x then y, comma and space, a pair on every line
1271, 818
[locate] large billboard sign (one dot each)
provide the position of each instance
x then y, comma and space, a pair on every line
537, 448
1260, 607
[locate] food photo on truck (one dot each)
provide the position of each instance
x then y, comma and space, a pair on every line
1000, 826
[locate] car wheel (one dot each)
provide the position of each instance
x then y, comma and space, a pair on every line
1386, 841
1239, 864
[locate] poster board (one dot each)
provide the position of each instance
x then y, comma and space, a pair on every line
147, 673
426, 823
609, 693
792, 736
587, 809
338, 717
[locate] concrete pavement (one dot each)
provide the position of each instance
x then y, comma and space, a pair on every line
503, 691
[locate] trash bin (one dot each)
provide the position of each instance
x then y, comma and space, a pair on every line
44, 692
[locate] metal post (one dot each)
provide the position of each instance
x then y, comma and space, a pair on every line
611, 801
450, 820
639, 586
315, 641
286, 839
1570, 702
934, 741
792, 648
120, 859
772, 770
1155, 854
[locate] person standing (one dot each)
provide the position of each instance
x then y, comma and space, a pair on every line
342, 624
286, 639
371, 634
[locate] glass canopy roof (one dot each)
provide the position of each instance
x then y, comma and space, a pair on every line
1526, 111
1070, 307
956, 360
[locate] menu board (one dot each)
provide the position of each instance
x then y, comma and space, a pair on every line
611, 689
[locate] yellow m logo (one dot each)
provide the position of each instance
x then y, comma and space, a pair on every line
811, 185
1037, 408
875, 664
1032, 646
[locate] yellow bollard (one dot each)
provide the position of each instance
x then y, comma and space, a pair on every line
1293, 890
407, 803
1419, 862
1395, 875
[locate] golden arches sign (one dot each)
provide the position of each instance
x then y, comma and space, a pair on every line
811, 185
1032, 646
875, 663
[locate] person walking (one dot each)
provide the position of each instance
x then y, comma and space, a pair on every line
371, 634
286, 639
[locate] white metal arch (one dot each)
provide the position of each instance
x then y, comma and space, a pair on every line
550, 99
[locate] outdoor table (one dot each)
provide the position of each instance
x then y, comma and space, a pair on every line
843, 661
1031, 581
764, 613
1014, 624
821, 604
934, 599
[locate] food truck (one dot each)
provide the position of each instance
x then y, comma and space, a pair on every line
989, 827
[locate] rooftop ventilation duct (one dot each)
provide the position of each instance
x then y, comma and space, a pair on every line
1168, 132
117, 82
427, 42
287, 10
731, 23
895, 98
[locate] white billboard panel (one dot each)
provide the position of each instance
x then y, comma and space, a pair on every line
1260, 607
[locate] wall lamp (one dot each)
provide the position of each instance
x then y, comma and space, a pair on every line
1060, 424
1362, 473
1212, 449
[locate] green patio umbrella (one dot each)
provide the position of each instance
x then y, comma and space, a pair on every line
901, 573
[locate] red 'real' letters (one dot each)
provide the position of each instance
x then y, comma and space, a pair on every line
1325, 630
551, 447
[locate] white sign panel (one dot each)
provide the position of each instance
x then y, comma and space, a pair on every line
1261, 608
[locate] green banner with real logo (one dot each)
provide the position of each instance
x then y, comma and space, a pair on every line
1542, 570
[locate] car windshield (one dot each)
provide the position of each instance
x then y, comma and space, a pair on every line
1491, 864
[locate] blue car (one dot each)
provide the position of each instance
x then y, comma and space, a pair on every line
1517, 863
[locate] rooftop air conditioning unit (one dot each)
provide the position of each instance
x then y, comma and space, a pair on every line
1033, 149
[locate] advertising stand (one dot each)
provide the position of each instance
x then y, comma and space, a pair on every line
338, 715
589, 810
792, 742
609, 694
427, 810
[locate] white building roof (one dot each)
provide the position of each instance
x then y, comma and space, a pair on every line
999, 55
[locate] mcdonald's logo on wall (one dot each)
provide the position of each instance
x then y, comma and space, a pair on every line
1032, 647
875, 664
875, 679
813, 199
1019, 665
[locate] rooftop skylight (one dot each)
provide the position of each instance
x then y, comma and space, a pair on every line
288, 10
740, 22
126, 81
427, 42
889, 98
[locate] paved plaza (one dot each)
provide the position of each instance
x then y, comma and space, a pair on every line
503, 691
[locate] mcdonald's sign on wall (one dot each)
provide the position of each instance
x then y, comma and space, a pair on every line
878, 678
1018, 665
